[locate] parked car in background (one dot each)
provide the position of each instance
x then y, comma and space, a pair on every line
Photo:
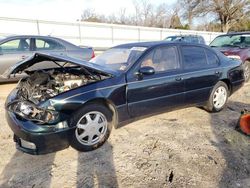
187, 38
17, 48
235, 46
78, 105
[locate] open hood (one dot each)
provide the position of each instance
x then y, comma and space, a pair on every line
40, 57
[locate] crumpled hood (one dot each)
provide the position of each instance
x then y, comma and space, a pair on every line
40, 57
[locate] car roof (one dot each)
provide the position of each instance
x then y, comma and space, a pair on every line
235, 33
29, 36
184, 36
62, 41
156, 43
11, 37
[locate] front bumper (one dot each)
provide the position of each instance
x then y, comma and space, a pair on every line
46, 138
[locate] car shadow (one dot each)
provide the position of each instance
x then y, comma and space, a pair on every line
24, 170
234, 146
96, 168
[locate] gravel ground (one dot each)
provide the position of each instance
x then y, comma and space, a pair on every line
184, 148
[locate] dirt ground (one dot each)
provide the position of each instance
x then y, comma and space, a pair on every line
184, 148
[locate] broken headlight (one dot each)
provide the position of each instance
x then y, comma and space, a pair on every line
30, 111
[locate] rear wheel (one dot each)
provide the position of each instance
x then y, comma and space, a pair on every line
93, 126
218, 97
247, 71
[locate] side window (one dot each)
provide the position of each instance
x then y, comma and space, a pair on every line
201, 40
194, 39
212, 59
162, 59
47, 44
17, 45
194, 57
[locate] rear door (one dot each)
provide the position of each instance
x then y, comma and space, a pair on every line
13, 51
49, 46
202, 72
160, 91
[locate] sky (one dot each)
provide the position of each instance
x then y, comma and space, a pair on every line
65, 10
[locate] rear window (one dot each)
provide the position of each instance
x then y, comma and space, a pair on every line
212, 59
193, 57
198, 58
48, 44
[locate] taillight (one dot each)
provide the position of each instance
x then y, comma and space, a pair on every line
93, 54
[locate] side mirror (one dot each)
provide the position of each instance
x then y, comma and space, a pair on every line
147, 70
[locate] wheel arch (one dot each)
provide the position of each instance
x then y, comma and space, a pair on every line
229, 85
109, 104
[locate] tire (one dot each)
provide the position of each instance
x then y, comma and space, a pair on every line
247, 71
220, 91
93, 125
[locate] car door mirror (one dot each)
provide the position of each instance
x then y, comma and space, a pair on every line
147, 70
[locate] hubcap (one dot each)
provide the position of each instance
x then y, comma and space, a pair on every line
91, 128
220, 97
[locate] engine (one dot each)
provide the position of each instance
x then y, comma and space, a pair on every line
42, 84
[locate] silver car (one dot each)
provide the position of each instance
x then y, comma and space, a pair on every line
14, 49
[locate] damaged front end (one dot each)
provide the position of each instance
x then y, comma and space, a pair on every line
39, 124
29, 111
41, 85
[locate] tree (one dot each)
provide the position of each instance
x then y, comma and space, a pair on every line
188, 8
89, 15
122, 16
143, 12
161, 17
230, 12
175, 21
227, 12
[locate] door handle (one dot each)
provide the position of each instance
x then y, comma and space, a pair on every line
178, 79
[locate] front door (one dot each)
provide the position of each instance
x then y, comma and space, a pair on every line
48, 46
12, 52
162, 90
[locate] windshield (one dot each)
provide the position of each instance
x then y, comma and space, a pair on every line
231, 41
173, 38
119, 58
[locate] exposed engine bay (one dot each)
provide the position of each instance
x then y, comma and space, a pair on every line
43, 84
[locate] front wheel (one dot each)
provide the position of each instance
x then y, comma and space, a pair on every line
218, 97
93, 126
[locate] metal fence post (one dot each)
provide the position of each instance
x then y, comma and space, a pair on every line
80, 35
139, 34
112, 34
38, 28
